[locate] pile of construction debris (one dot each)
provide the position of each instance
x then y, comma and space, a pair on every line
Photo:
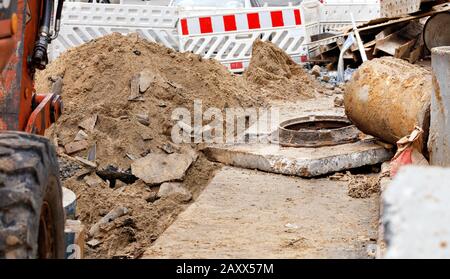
408, 37
114, 142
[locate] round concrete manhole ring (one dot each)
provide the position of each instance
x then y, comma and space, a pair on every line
316, 131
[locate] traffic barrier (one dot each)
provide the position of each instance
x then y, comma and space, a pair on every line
228, 38
82, 22
223, 34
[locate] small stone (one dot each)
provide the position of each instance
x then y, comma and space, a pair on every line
137, 52
146, 78
152, 197
76, 146
162, 105
131, 157
338, 90
338, 102
89, 123
81, 135
315, 71
326, 78
330, 86
172, 189
169, 148
119, 184
146, 135
94, 180
143, 119
94, 243
12, 240
86, 163
135, 94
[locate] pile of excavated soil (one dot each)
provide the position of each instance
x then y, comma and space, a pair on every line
273, 71
97, 82
128, 236
99, 79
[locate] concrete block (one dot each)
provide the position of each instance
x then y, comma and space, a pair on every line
303, 162
416, 214
439, 139
159, 168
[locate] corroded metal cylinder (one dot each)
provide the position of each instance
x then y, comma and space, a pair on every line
388, 97
439, 142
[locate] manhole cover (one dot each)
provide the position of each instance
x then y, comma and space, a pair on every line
315, 131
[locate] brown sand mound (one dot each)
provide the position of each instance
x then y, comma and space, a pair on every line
98, 80
272, 70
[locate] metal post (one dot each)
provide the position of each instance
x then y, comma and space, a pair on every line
439, 140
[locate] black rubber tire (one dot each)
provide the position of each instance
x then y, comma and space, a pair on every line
29, 182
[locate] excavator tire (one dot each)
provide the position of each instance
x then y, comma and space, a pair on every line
31, 211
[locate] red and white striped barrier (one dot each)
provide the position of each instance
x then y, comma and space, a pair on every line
229, 37
240, 22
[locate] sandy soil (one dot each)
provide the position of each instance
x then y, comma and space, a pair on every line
98, 80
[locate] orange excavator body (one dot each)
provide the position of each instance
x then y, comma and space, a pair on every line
21, 37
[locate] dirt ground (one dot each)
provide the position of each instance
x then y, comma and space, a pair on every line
251, 214
129, 117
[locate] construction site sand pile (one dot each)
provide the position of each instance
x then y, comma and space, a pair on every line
121, 125
272, 70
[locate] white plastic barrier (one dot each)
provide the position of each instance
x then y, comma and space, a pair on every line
224, 34
393, 8
82, 22
228, 38
335, 14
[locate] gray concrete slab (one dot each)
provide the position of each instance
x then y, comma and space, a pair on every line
303, 162
251, 214
416, 213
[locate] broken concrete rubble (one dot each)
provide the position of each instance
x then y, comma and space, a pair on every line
135, 94
303, 162
143, 119
155, 169
111, 216
89, 123
146, 78
174, 189
76, 146
81, 135
94, 180
86, 162
94, 243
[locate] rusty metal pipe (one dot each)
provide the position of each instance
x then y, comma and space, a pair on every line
439, 142
388, 97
